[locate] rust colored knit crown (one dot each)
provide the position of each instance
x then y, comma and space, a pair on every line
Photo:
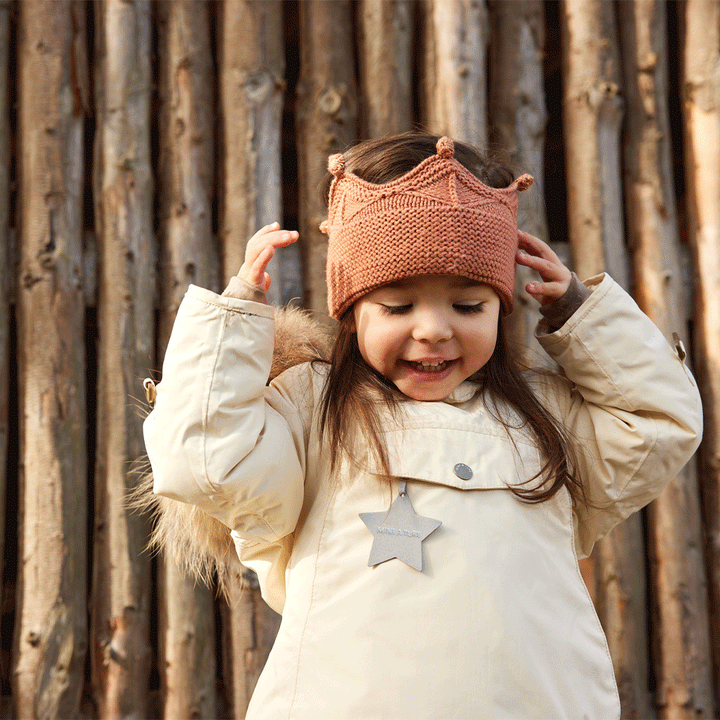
437, 219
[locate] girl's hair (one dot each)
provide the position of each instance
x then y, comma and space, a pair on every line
352, 387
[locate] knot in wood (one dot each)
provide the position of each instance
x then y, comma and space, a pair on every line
331, 100
259, 86
648, 63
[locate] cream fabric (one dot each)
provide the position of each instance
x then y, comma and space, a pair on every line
499, 624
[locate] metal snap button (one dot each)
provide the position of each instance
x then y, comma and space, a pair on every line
679, 347
150, 391
463, 471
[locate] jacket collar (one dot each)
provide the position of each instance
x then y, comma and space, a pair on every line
463, 392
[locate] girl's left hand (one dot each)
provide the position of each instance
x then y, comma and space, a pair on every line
537, 255
259, 251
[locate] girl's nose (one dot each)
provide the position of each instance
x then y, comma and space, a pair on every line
432, 326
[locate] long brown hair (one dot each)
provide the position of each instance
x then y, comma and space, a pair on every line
352, 388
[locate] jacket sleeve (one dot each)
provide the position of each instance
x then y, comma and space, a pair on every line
218, 437
634, 410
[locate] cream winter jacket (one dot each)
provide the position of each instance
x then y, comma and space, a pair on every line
499, 623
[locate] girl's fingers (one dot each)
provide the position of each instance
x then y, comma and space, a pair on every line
540, 257
548, 269
259, 251
535, 247
535, 244
255, 274
547, 291
269, 235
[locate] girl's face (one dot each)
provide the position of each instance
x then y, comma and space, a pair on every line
427, 333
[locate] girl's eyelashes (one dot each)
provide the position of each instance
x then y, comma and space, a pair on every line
469, 309
461, 308
395, 309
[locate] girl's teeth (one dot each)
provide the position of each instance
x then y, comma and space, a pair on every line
430, 366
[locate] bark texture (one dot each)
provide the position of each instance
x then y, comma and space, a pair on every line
619, 590
187, 644
326, 124
252, 62
518, 119
680, 628
188, 255
593, 113
385, 59
253, 627
5, 268
124, 204
51, 626
701, 113
455, 87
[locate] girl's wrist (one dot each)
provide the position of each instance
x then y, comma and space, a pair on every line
242, 290
556, 313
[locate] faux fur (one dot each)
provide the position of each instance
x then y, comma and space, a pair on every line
200, 544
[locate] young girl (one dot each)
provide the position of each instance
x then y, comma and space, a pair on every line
416, 507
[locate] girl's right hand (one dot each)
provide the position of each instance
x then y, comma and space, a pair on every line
259, 251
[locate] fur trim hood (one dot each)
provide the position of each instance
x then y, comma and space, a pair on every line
201, 545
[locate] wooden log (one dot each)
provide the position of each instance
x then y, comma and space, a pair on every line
326, 123
619, 590
385, 57
187, 253
681, 653
592, 114
517, 98
51, 626
701, 113
455, 83
126, 280
187, 645
518, 119
5, 267
252, 68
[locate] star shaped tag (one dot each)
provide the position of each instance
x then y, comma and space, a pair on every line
399, 532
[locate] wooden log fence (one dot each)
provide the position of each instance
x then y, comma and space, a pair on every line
143, 143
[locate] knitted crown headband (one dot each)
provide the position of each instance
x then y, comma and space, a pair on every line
437, 219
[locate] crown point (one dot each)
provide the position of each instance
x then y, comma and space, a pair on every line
445, 148
336, 165
524, 182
